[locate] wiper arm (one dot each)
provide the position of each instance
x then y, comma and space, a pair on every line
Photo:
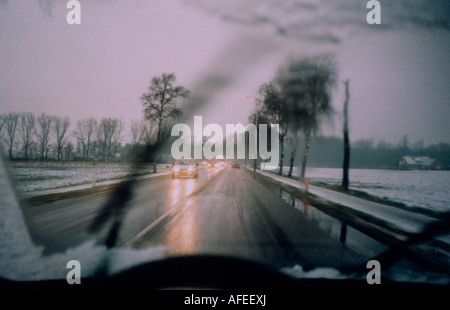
116, 204
391, 256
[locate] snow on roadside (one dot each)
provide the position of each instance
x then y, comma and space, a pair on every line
417, 189
32, 177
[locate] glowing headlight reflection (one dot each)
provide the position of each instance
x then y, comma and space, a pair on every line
180, 190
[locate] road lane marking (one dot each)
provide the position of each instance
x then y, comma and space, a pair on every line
184, 201
149, 227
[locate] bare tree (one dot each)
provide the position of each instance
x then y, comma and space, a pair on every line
293, 142
99, 144
137, 131
141, 135
160, 103
68, 150
43, 130
147, 134
276, 111
117, 137
90, 125
105, 131
33, 149
80, 135
60, 126
258, 118
10, 122
306, 86
84, 133
26, 130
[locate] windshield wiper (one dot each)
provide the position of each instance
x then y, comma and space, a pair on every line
394, 254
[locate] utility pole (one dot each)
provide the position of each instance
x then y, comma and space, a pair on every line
346, 164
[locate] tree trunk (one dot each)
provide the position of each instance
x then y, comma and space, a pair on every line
87, 150
346, 164
280, 172
153, 153
25, 151
305, 155
291, 162
158, 140
293, 153
345, 178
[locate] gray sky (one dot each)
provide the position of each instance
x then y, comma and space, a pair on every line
221, 50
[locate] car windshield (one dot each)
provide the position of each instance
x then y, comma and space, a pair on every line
335, 111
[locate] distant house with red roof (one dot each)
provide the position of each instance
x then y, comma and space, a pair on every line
419, 163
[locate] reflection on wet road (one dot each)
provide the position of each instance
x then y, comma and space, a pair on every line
235, 215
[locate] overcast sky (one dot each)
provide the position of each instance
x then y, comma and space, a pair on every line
221, 50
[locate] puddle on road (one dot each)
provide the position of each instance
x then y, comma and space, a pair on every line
347, 235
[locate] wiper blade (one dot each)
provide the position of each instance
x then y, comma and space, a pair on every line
394, 254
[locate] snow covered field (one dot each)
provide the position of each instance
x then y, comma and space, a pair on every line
42, 176
425, 189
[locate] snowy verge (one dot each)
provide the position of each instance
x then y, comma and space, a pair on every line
406, 221
91, 185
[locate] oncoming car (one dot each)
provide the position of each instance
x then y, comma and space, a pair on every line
185, 168
236, 164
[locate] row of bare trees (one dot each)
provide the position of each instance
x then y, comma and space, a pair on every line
298, 99
45, 137
31, 135
99, 140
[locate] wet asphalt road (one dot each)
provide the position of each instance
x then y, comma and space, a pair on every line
224, 212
